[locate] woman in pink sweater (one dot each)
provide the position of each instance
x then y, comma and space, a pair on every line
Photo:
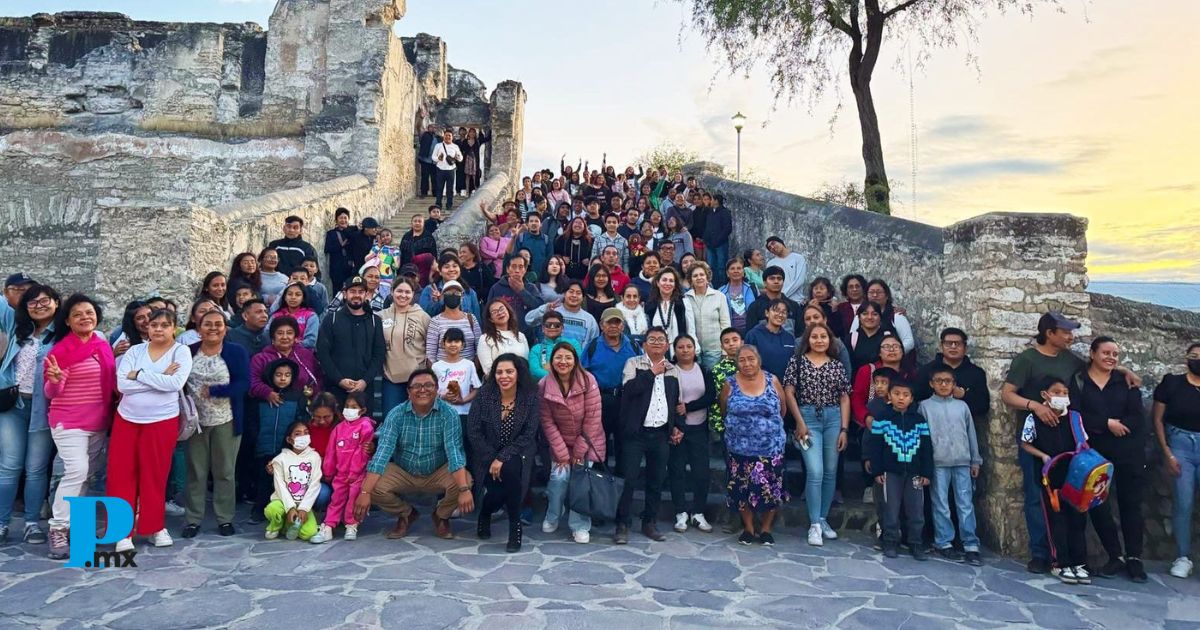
80, 380
570, 418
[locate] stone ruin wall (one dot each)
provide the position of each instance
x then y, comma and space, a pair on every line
184, 144
992, 275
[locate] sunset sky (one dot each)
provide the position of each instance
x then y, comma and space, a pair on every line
1090, 111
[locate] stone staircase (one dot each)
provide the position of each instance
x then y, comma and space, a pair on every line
401, 222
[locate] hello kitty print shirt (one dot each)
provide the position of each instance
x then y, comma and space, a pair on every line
297, 478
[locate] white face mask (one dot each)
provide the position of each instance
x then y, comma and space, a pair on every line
350, 414
1060, 403
301, 442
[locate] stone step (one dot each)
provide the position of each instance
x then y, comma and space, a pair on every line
401, 221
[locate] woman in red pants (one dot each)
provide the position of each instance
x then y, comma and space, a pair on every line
146, 427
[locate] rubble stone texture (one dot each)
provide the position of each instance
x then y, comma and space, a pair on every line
993, 276
181, 145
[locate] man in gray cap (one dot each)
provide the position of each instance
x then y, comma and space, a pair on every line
15, 286
364, 240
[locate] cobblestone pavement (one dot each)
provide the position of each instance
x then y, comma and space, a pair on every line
690, 580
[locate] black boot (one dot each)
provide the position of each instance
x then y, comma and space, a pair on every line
483, 527
514, 535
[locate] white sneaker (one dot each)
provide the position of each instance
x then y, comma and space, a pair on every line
1181, 568
814, 535
1065, 574
681, 520
324, 533
351, 532
582, 537
869, 495
271, 534
701, 524
1082, 576
827, 531
549, 527
162, 538
174, 509
125, 544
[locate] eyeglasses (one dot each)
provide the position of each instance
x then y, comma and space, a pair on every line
952, 344
943, 381
656, 340
42, 302
552, 325
422, 386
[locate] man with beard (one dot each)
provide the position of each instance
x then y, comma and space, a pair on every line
350, 344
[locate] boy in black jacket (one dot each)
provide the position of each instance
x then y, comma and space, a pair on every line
901, 457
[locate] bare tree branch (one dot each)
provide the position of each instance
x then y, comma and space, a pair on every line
900, 7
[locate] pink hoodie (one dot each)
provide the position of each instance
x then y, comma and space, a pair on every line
345, 459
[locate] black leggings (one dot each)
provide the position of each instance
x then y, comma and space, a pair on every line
691, 452
1129, 476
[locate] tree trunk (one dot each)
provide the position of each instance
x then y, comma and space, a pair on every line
875, 186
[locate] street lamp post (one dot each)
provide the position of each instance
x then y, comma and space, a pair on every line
739, 121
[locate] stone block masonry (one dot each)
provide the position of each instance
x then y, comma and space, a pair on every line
993, 276
138, 156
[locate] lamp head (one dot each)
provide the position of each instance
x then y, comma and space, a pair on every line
739, 121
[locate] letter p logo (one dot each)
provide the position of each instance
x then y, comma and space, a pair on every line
83, 526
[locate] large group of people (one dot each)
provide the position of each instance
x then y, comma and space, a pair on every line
600, 319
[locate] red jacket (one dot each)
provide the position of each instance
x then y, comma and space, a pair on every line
565, 419
862, 390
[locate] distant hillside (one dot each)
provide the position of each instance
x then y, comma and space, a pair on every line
1181, 295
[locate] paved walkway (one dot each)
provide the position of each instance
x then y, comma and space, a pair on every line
693, 580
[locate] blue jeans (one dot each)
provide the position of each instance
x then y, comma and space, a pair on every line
394, 394
821, 459
1185, 445
23, 451
957, 479
556, 494
717, 257
1031, 487
323, 497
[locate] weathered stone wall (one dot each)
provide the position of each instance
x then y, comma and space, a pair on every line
1154, 341
838, 241
1001, 272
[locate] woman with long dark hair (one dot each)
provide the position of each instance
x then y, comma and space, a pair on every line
1177, 426
854, 292
599, 291
295, 303
273, 280
244, 272
449, 270
501, 335
666, 306
575, 246
863, 341
404, 328
570, 418
80, 381
133, 327
501, 427
478, 275
26, 446
556, 279
820, 294
215, 289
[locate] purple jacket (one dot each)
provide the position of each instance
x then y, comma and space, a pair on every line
310, 372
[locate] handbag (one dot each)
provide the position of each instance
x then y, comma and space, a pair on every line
594, 491
189, 416
8, 398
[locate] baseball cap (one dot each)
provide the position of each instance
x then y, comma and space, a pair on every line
356, 281
17, 279
1055, 320
369, 223
453, 284
610, 314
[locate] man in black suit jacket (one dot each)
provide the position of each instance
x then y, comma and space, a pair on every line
428, 138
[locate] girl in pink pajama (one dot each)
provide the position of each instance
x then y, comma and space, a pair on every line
345, 463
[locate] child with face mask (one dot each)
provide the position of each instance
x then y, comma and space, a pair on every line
1067, 527
296, 472
345, 463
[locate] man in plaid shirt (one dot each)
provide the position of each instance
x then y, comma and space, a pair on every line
420, 451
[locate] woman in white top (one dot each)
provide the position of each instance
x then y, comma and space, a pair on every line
667, 308
710, 308
146, 427
501, 334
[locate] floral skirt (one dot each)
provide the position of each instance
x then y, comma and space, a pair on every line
755, 483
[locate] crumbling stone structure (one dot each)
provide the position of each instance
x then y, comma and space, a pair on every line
137, 156
992, 275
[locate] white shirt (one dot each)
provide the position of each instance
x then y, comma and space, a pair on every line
153, 396
657, 415
441, 151
795, 268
